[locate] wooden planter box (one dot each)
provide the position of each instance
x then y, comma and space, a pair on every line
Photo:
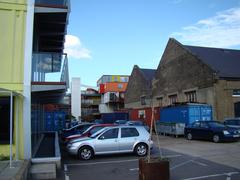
156, 169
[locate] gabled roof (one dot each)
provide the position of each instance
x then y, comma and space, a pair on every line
226, 62
149, 74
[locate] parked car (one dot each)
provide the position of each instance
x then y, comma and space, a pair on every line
88, 132
138, 123
110, 140
211, 130
233, 122
98, 121
78, 129
120, 122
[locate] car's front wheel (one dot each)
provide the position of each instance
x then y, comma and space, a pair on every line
141, 149
189, 136
216, 138
85, 153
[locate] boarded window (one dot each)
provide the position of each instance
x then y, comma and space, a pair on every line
143, 100
191, 96
172, 99
159, 101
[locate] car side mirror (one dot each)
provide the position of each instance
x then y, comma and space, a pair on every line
101, 137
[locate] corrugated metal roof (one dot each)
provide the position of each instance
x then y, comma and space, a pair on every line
148, 73
226, 62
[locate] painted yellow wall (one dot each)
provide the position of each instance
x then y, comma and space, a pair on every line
12, 23
18, 130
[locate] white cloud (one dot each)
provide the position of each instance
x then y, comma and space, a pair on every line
221, 30
75, 49
176, 1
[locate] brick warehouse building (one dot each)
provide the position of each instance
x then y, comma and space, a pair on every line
199, 74
137, 96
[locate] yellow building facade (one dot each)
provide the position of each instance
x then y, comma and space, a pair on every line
12, 45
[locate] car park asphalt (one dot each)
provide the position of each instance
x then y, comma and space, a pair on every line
189, 160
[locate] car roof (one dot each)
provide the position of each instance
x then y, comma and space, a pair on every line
102, 125
235, 119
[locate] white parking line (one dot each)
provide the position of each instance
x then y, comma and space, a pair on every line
172, 156
104, 162
169, 156
66, 177
181, 164
186, 162
65, 172
65, 168
213, 175
134, 169
199, 163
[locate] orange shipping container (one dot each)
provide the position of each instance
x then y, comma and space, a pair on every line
115, 86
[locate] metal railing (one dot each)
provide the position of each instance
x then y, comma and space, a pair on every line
91, 101
65, 72
86, 112
50, 67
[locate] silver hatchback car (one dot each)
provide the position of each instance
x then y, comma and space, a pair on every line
111, 140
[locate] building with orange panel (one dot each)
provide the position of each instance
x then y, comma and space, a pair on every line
112, 89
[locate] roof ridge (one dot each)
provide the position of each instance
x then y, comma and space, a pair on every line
212, 47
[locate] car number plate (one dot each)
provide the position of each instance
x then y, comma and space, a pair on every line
236, 136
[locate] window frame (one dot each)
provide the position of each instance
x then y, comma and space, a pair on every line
191, 96
143, 100
102, 137
159, 101
129, 128
173, 98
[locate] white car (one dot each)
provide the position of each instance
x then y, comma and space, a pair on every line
111, 140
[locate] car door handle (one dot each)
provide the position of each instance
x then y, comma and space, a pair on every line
116, 140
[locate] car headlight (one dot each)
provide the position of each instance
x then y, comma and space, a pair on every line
226, 132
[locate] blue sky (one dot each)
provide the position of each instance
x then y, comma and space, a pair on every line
111, 36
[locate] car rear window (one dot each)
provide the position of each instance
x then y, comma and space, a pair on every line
129, 132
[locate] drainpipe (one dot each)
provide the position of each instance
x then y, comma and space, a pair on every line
11, 128
27, 79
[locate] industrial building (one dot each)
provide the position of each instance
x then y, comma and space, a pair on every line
199, 75
189, 74
90, 100
138, 96
112, 89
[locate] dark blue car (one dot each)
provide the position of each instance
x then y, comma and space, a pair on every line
211, 130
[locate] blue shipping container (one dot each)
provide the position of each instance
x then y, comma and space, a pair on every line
49, 125
186, 113
112, 117
54, 121
59, 120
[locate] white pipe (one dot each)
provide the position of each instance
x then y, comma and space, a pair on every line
17, 139
11, 127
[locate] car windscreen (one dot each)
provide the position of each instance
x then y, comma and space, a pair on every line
96, 129
216, 125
